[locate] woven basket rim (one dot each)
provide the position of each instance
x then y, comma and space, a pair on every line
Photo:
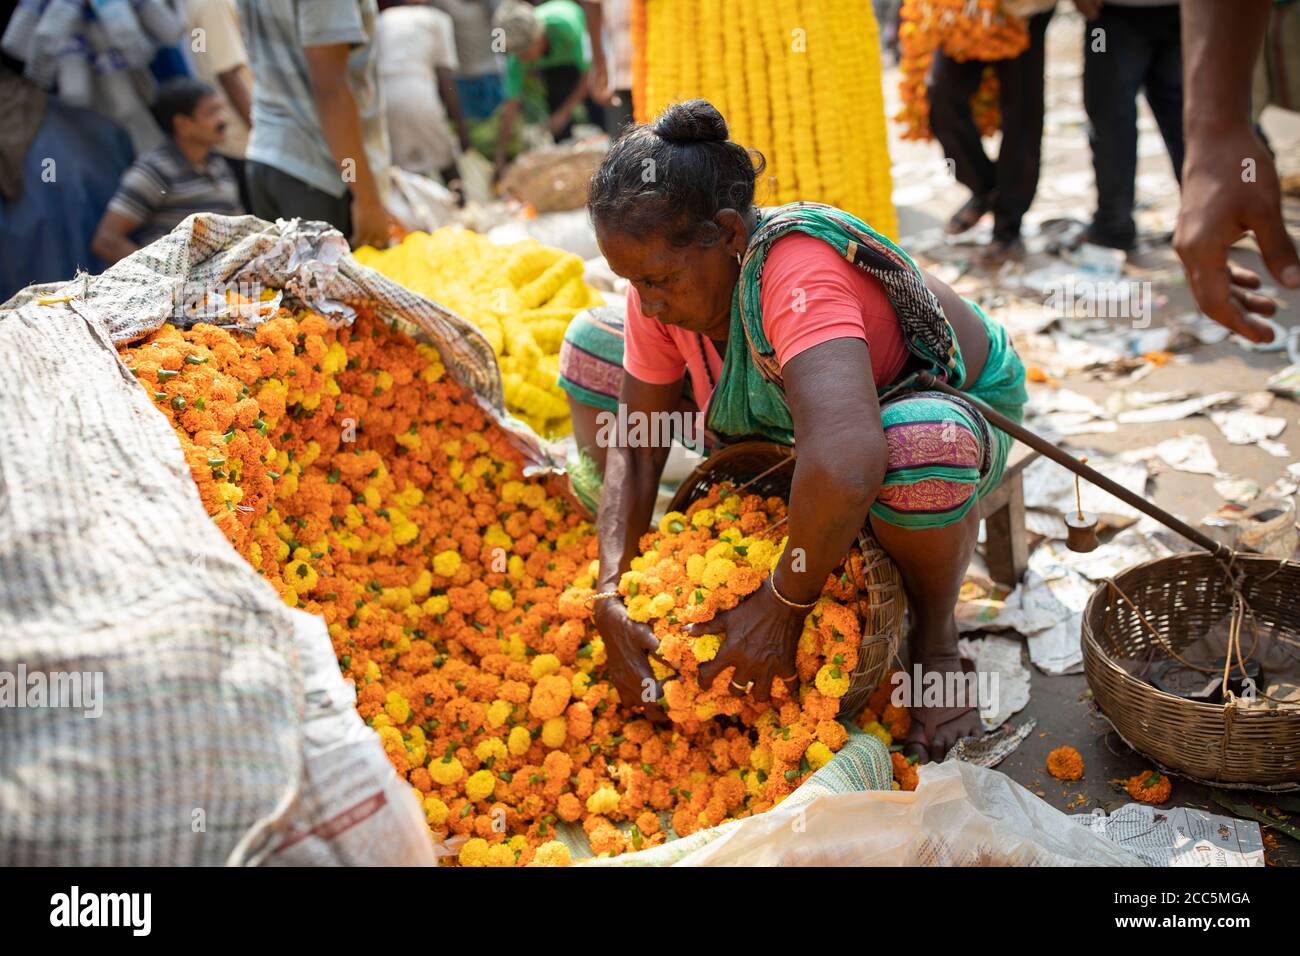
1287, 712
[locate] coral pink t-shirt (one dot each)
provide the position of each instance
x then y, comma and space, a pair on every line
810, 294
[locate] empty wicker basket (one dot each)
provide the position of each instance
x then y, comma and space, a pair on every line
1181, 598
768, 469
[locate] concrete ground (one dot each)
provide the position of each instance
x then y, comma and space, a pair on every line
1062, 705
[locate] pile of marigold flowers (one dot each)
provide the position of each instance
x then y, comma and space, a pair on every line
520, 296
707, 560
963, 29
368, 488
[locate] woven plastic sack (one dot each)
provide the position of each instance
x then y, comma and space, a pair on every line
206, 749
959, 815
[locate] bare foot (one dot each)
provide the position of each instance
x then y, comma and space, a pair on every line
935, 729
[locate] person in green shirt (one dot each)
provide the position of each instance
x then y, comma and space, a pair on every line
552, 39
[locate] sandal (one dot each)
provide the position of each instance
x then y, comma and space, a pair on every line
968, 216
927, 720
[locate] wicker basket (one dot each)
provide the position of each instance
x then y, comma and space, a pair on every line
1182, 597
769, 469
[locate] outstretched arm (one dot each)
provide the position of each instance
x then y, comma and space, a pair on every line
1230, 185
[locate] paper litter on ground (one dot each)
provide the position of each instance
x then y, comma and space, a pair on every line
1241, 427
1008, 680
993, 748
1182, 836
1189, 453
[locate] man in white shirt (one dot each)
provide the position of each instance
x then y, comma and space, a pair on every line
417, 68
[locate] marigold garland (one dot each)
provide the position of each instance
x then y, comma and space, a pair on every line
799, 80
964, 30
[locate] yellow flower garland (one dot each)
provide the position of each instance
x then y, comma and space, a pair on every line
799, 80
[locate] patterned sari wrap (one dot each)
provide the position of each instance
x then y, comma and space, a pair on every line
943, 455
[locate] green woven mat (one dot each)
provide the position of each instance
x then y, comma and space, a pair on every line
861, 764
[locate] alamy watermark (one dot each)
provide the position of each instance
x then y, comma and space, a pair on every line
1103, 299
629, 429
75, 690
933, 688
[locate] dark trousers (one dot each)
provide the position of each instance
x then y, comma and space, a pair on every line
1008, 184
1137, 48
238, 167
559, 82
277, 195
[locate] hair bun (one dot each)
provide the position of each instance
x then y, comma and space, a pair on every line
695, 121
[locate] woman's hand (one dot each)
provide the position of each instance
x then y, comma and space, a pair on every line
627, 642
762, 635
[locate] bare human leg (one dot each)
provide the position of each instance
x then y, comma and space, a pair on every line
932, 563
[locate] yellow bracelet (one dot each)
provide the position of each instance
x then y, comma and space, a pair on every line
771, 581
600, 595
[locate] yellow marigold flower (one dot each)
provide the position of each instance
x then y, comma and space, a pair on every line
661, 604
300, 576
604, 801
660, 669
638, 609
421, 585
761, 554
695, 566
446, 771
397, 707
474, 852
495, 537
717, 571
480, 785
446, 563
543, 665
706, 647
499, 854
818, 755
498, 712
435, 811
404, 532
721, 549
760, 758
551, 853
580, 684
519, 741
490, 748
436, 605
372, 671
877, 728
501, 599
512, 492
703, 518
833, 681
673, 522
554, 732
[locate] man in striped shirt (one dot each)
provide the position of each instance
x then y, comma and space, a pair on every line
181, 177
